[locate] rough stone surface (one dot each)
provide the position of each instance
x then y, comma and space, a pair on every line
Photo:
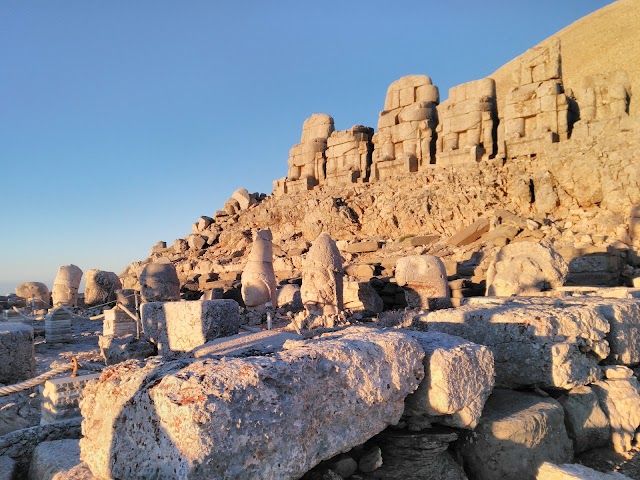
159, 283
258, 278
322, 278
19, 445
424, 279
66, 285
100, 287
17, 353
7, 468
361, 297
57, 326
518, 432
118, 349
51, 459
416, 455
245, 344
183, 326
549, 471
459, 377
37, 291
587, 425
248, 417
556, 345
524, 268
620, 400
60, 397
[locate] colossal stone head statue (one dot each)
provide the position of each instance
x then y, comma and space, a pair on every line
36, 291
321, 289
425, 280
66, 285
258, 278
101, 287
524, 268
159, 283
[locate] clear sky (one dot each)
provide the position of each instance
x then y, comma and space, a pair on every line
121, 122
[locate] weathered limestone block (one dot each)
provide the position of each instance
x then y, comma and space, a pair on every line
17, 353
52, 459
470, 233
587, 425
322, 280
258, 277
549, 471
349, 155
424, 279
61, 397
459, 377
620, 400
118, 349
19, 445
307, 161
57, 326
416, 455
468, 123
361, 297
523, 268
183, 326
239, 418
363, 247
518, 432
536, 110
554, 345
100, 287
118, 323
66, 285
622, 315
35, 292
405, 141
159, 283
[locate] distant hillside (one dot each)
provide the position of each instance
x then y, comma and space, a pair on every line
606, 40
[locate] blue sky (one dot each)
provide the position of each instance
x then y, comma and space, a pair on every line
121, 122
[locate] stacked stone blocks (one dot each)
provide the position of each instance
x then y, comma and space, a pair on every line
405, 141
467, 123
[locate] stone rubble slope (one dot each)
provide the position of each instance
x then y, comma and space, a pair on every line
256, 417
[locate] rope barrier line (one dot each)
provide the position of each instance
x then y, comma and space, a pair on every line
35, 381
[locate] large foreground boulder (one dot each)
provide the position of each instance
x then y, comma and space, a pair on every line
257, 417
518, 432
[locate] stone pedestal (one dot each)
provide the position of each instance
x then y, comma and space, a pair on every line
57, 326
61, 397
17, 358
